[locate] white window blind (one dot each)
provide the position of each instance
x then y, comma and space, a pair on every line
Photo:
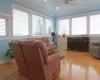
64, 27
48, 26
79, 26
20, 23
95, 24
37, 25
2, 27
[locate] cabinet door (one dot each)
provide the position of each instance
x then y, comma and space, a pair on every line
62, 43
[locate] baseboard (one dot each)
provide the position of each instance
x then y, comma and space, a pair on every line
61, 49
2, 61
7, 61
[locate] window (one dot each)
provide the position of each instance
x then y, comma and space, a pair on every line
48, 26
95, 24
64, 27
37, 25
79, 26
2, 27
20, 23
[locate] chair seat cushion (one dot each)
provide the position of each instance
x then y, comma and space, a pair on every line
96, 44
51, 47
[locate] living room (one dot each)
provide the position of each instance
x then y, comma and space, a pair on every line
49, 40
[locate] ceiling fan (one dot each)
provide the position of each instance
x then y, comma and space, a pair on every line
66, 1
60, 2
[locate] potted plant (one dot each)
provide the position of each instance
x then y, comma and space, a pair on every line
9, 55
63, 35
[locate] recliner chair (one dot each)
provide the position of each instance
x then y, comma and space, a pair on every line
38, 65
94, 49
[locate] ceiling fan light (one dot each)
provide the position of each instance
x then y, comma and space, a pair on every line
45, 0
57, 7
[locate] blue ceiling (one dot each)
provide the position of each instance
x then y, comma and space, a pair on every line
49, 7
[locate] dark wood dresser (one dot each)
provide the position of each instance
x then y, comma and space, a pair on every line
78, 43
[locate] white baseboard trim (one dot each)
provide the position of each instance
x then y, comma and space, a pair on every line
7, 61
59, 49
2, 61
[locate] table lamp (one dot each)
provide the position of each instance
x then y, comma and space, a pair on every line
53, 35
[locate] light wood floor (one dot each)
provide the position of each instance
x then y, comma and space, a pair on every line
75, 66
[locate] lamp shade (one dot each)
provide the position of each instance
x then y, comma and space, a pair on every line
53, 34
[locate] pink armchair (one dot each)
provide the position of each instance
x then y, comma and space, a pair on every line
40, 65
33, 60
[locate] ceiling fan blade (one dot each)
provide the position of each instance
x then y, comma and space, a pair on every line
69, 2
66, 1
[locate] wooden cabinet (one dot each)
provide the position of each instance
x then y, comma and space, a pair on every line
78, 43
73, 43
62, 43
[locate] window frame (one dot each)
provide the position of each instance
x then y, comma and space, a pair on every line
69, 26
86, 26
33, 26
52, 24
7, 24
88, 14
90, 26
30, 13
23, 10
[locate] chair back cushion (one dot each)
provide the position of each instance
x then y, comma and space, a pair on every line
44, 39
34, 39
36, 56
19, 57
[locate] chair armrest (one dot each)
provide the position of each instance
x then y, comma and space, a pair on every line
52, 59
93, 47
51, 43
94, 50
95, 44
